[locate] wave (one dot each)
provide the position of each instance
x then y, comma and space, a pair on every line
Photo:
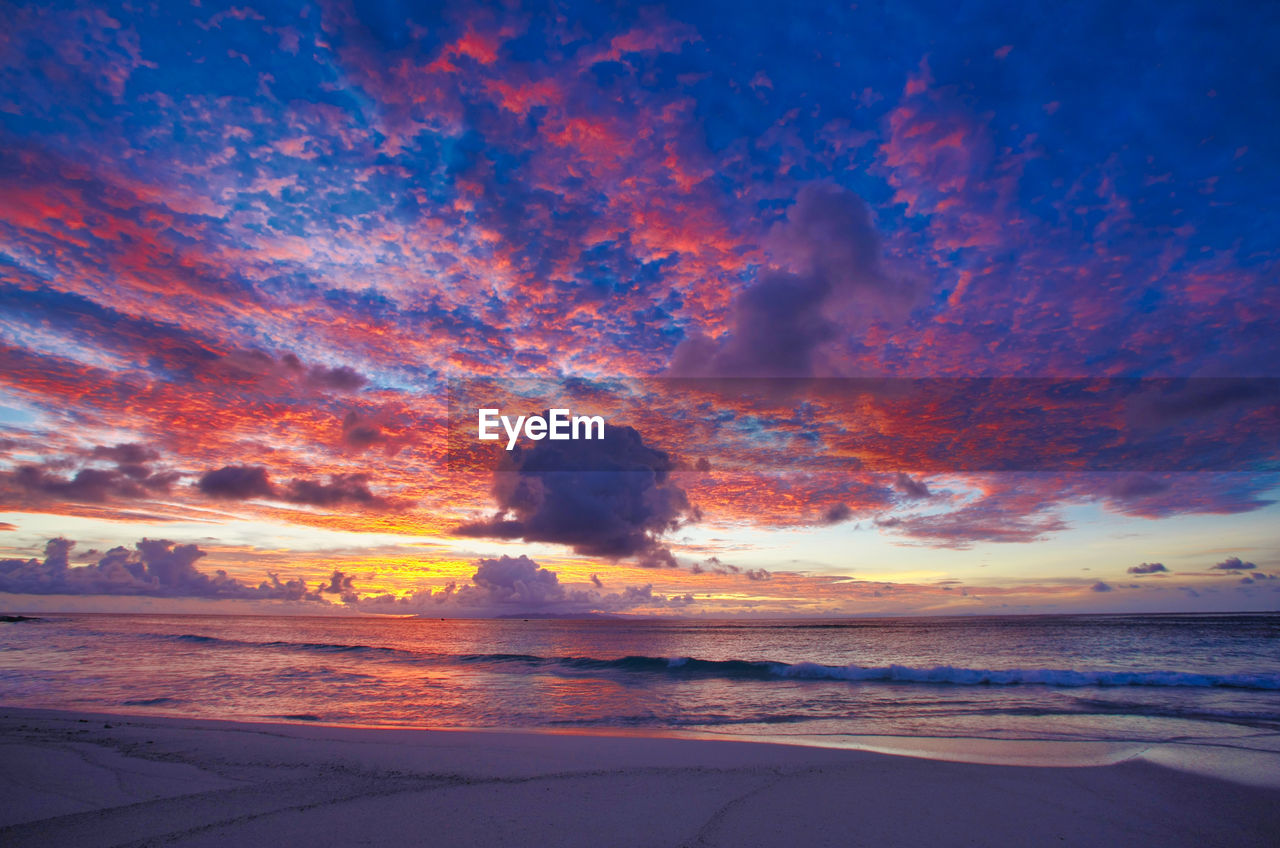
685, 720
1093, 706
771, 670
944, 675
1069, 678
318, 647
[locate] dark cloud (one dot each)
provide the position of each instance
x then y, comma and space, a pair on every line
778, 326
1158, 496
341, 488
237, 482
1132, 487
1171, 401
1148, 568
911, 488
341, 378
342, 585
255, 368
126, 454
338, 583
131, 478
828, 255
241, 482
657, 557
1100, 587
1234, 564
360, 433
836, 513
87, 485
154, 567
609, 497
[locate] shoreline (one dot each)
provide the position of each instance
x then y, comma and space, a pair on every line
1256, 767
92, 778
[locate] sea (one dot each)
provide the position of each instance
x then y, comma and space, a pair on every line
1197, 680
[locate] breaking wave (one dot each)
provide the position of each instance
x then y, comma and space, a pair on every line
769, 670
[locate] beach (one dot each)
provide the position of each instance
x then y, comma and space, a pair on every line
83, 779
669, 425
225, 730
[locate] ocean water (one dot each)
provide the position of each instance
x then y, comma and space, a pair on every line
1211, 680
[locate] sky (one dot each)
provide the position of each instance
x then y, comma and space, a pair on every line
892, 309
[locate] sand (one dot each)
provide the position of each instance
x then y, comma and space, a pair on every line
87, 780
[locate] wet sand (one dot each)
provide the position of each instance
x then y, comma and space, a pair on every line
90, 780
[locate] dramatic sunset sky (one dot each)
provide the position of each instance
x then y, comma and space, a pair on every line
246, 250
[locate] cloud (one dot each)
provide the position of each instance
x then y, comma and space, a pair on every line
713, 565
828, 256
154, 567
127, 455
136, 297
87, 485
359, 433
160, 568
1234, 564
285, 374
835, 514
341, 488
509, 585
911, 488
1157, 496
987, 520
610, 497
516, 580
1100, 587
778, 326
1173, 401
1148, 568
131, 478
241, 482
342, 585
341, 378
237, 482
1026, 507
1134, 487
